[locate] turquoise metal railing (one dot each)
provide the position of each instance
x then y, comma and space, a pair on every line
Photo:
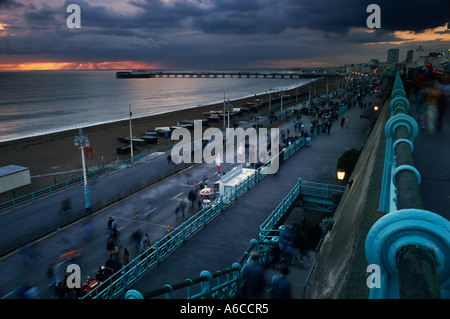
176, 237
229, 287
408, 237
227, 284
268, 230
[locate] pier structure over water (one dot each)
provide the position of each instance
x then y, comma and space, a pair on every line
256, 75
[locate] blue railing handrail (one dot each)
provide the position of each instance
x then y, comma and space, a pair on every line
406, 224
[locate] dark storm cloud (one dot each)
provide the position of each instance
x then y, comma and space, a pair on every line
200, 32
8, 4
328, 16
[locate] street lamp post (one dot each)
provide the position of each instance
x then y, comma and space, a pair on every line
82, 141
229, 106
270, 100
131, 134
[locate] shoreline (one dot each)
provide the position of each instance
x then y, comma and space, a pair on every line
145, 115
52, 153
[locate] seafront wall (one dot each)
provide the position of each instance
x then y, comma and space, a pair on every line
341, 266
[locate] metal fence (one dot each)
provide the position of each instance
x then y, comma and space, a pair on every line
32, 197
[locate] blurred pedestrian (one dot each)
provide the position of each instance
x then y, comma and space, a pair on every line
110, 221
143, 249
60, 290
279, 287
136, 239
254, 280
182, 206
347, 122
114, 230
51, 275
191, 198
147, 239
420, 105
126, 257
432, 102
135, 212
444, 101
110, 247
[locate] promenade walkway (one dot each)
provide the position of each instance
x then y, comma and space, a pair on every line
216, 247
432, 159
224, 240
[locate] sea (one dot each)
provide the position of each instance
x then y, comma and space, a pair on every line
40, 102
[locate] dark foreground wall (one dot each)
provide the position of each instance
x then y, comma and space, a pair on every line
340, 271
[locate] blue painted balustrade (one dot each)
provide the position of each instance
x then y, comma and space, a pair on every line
406, 224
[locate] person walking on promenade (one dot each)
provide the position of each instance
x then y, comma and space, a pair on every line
191, 198
136, 239
328, 123
254, 280
143, 248
432, 102
110, 221
279, 287
182, 206
147, 239
347, 122
110, 247
420, 105
126, 257
114, 230
444, 101
342, 122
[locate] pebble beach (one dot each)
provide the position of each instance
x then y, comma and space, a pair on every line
53, 158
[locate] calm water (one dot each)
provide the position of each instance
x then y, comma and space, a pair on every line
39, 102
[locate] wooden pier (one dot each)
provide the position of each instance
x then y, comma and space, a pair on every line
277, 75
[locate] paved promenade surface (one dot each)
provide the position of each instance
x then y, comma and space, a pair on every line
432, 159
216, 247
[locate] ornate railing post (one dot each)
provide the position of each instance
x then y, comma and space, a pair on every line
206, 284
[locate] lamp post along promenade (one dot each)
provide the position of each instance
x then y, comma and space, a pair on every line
82, 141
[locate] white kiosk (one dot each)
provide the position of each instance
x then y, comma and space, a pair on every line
233, 178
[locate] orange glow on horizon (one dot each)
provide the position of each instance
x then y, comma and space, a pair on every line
436, 34
32, 66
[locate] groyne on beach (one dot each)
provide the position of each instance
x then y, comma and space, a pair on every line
55, 155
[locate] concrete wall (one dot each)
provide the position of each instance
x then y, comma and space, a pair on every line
340, 271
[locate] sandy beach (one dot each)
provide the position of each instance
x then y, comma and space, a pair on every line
56, 156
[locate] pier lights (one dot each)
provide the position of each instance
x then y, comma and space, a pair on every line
82, 141
375, 108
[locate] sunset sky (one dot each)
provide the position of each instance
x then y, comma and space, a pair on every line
215, 34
